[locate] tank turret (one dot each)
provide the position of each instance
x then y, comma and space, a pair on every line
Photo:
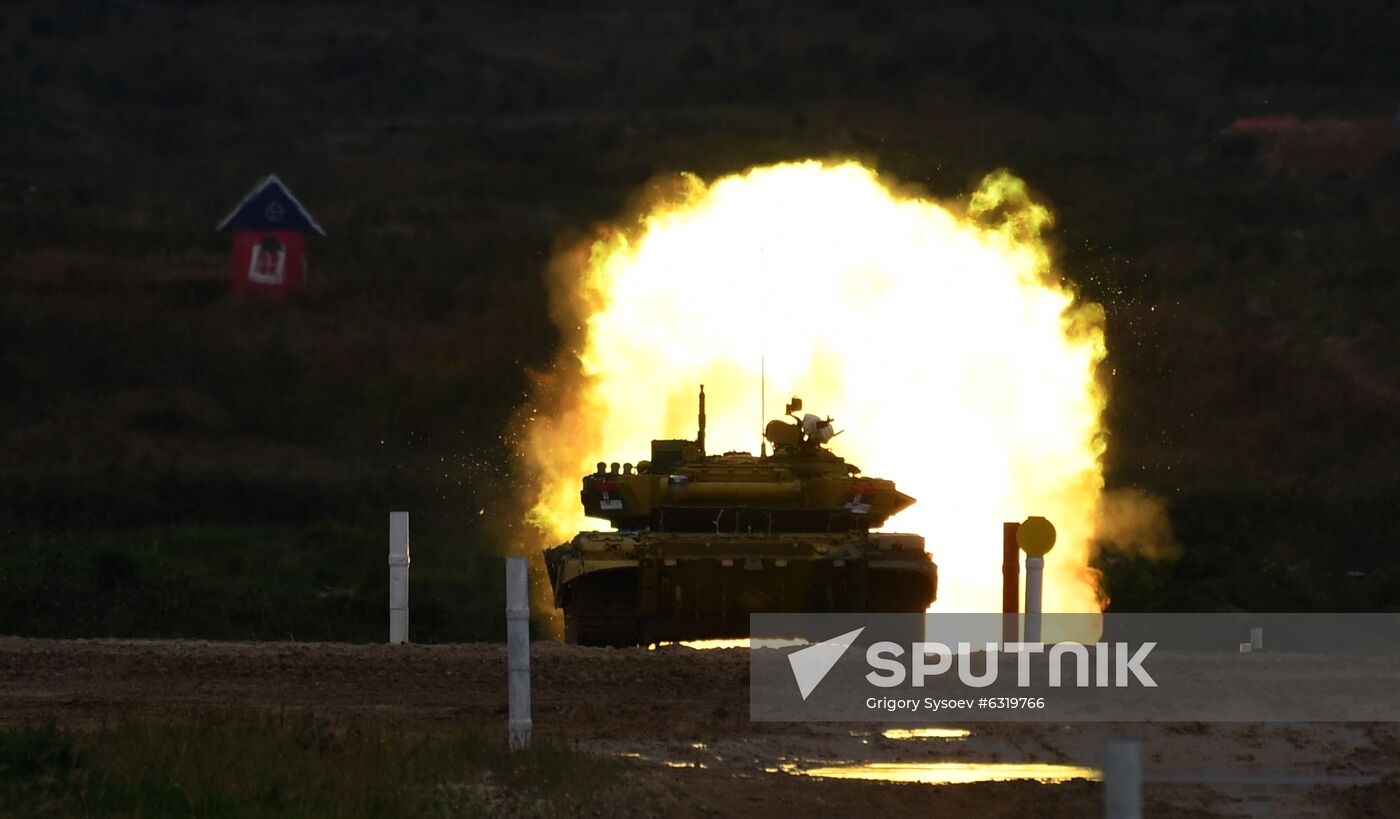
801, 487
704, 540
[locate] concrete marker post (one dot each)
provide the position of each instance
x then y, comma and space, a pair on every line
1122, 779
398, 578
1256, 639
1036, 537
518, 722
1035, 570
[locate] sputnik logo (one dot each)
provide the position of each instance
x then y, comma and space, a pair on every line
811, 665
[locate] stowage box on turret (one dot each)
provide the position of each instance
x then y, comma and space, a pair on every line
703, 541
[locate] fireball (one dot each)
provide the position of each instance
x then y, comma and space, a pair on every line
937, 335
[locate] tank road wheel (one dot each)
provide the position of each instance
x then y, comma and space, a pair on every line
602, 610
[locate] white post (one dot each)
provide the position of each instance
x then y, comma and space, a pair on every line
518, 651
1122, 779
398, 577
1256, 639
1034, 569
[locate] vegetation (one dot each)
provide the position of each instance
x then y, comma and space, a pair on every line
166, 449
251, 765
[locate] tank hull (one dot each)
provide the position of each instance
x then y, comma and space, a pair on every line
622, 589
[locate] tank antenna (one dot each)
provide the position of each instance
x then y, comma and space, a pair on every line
762, 400
700, 436
762, 358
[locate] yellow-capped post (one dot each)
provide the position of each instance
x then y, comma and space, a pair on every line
1036, 537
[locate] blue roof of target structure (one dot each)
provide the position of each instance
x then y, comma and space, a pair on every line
270, 205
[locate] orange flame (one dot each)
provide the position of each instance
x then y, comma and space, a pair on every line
938, 336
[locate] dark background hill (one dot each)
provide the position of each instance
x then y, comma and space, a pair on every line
173, 462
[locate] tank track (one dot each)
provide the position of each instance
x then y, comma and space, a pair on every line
603, 611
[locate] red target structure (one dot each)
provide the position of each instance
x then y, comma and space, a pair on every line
269, 231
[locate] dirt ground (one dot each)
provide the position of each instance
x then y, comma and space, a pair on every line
678, 719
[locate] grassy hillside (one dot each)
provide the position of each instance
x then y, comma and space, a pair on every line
169, 451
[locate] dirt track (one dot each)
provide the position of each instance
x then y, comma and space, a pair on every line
681, 718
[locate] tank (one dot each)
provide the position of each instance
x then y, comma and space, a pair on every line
703, 541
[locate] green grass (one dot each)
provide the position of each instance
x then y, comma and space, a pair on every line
163, 446
326, 581
246, 765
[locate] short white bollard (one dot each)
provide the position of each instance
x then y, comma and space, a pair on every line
398, 577
1035, 569
518, 651
1036, 537
1256, 639
1122, 779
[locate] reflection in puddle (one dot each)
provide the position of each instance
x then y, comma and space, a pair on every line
947, 773
670, 763
712, 644
925, 733
703, 645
